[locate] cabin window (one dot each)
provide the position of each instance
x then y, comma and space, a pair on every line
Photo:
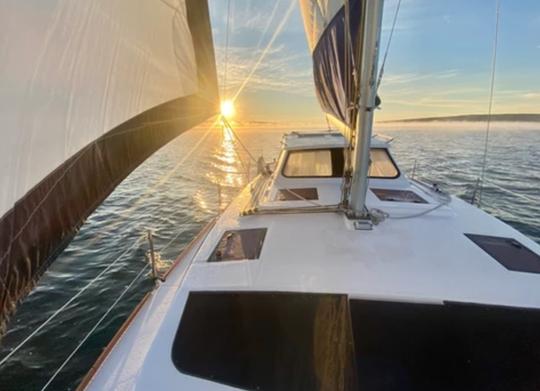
239, 244
329, 163
318, 163
382, 165
267, 340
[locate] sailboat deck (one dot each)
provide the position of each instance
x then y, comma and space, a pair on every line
426, 259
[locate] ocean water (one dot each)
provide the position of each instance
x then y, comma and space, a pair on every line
182, 187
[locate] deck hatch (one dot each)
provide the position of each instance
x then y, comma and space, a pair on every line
455, 346
267, 340
305, 193
398, 196
508, 252
239, 244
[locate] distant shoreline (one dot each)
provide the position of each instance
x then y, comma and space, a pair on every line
473, 118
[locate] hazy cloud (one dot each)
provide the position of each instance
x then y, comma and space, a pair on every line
407, 78
280, 71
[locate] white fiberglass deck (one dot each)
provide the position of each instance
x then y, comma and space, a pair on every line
423, 259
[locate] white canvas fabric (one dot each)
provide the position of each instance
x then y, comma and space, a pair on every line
317, 14
71, 70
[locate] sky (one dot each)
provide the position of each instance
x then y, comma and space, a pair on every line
439, 62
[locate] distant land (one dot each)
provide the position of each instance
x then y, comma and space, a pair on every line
475, 118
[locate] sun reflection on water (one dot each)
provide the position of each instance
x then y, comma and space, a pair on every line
227, 170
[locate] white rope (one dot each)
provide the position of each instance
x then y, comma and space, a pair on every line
442, 203
380, 214
67, 303
66, 361
490, 106
443, 200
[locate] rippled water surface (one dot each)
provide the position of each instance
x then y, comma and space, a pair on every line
176, 192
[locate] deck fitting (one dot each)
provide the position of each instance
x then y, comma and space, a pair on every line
363, 225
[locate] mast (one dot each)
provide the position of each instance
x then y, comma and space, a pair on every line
367, 70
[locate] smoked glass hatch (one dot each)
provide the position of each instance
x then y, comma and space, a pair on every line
398, 196
450, 347
239, 244
267, 340
298, 194
508, 252
310, 341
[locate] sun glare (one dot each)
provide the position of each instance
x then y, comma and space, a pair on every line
227, 108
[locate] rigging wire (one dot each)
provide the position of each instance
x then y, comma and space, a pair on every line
481, 179
266, 49
151, 190
162, 180
224, 87
72, 164
328, 123
270, 20
70, 356
67, 303
229, 127
383, 63
348, 55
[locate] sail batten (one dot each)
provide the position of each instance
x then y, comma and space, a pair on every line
91, 89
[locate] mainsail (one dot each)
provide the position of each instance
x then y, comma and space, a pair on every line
344, 37
88, 90
333, 34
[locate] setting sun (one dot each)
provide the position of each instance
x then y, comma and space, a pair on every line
227, 108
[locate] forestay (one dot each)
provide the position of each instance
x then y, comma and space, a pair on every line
88, 90
333, 34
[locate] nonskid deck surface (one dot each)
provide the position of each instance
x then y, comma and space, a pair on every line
425, 258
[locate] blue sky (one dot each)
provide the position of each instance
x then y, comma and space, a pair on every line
439, 62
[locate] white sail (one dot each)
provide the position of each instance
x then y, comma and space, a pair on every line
317, 15
73, 70
344, 40
88, 90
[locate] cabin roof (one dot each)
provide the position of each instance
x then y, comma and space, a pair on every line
311, 140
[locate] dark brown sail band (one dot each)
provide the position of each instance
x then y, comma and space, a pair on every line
44, 221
